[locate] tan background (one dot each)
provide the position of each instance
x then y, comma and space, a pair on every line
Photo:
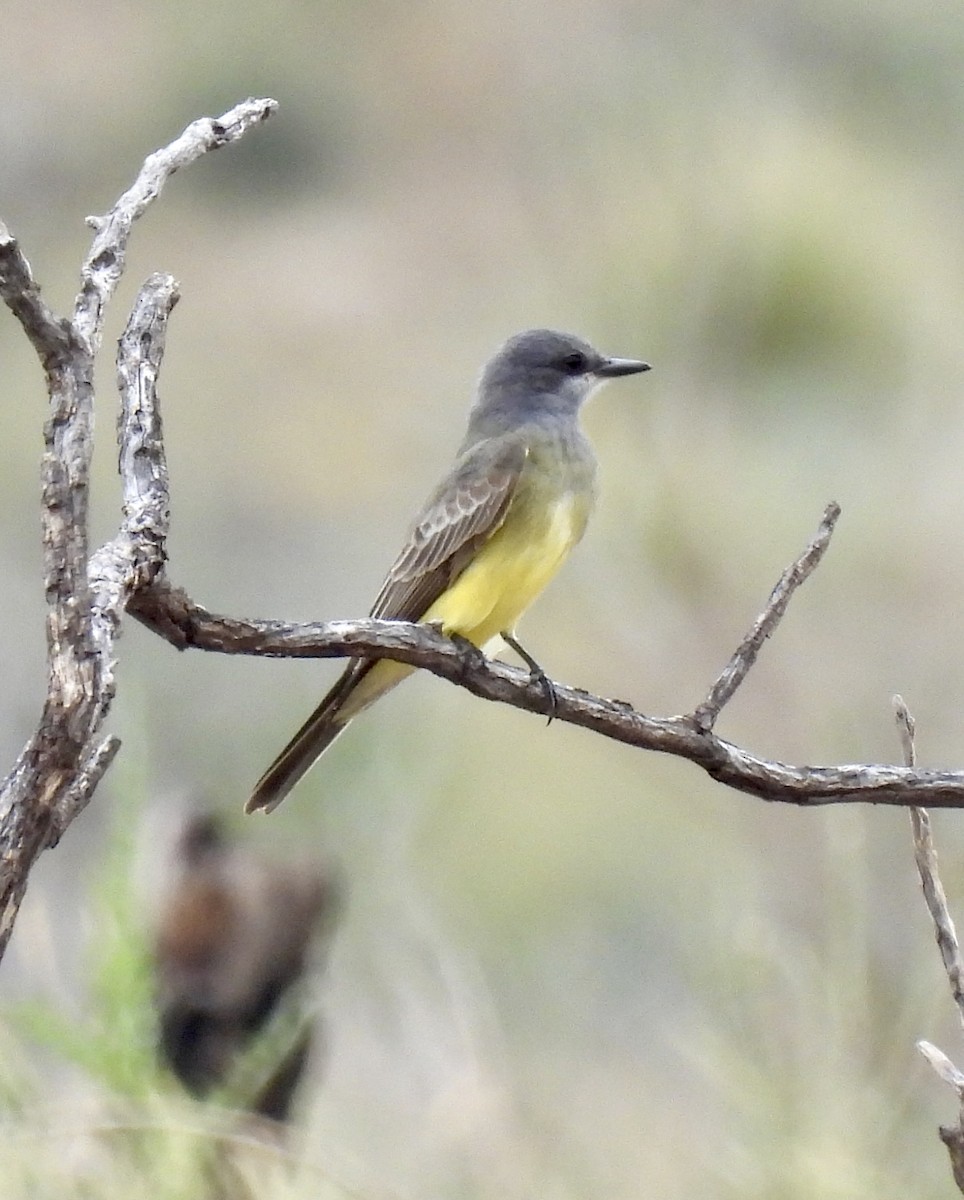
569, 969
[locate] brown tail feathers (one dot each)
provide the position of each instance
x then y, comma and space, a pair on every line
309, 743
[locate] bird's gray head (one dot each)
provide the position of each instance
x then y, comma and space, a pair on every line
544, 372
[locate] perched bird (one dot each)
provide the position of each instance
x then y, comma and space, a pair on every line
234, 935
492, 534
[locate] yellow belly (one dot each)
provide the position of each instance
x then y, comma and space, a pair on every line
508, 573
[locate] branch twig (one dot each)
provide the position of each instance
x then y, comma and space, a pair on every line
925, 855
705, 715
49, 334
104, 264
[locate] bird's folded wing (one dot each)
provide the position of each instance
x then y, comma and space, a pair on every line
465, 510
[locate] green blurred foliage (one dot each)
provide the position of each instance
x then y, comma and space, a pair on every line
568, 969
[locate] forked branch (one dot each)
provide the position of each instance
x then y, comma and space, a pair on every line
58, 769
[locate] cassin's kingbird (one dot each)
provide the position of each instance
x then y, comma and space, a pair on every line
493, 533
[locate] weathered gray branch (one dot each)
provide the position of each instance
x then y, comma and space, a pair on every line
60, 766
104, 264
172, 614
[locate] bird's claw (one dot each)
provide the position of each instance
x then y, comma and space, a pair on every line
536, 676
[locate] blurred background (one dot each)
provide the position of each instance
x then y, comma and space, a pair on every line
566, 968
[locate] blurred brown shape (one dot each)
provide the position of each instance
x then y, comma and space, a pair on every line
235, 933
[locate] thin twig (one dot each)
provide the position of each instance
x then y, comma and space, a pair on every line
49, 334
951, 1135
925, 855
943, 1066
705, 715
104, 264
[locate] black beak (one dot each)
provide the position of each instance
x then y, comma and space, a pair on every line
610, 368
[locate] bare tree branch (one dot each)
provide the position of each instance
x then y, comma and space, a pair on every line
172, 614
104, 264
60, 766
925, 855
735, 671
136, 555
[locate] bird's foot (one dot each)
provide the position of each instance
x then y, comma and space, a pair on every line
536, 675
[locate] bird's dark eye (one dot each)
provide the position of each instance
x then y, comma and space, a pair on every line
574, 363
